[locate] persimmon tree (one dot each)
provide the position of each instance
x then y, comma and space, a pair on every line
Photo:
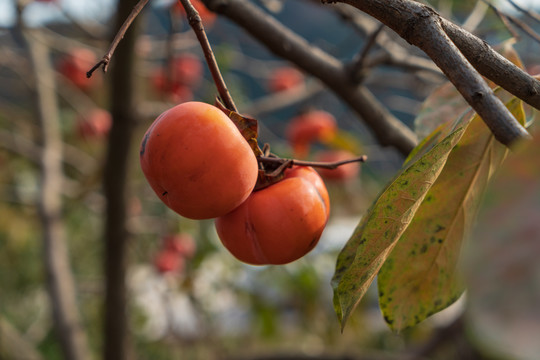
411, 239
413, 233
416, 213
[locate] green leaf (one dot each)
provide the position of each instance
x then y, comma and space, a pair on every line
420, 276
367, 249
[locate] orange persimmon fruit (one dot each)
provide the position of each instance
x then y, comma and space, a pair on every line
197, 162
280, 223
285, 78
310, 127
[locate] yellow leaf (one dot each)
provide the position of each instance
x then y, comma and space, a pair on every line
421, 275
377, 233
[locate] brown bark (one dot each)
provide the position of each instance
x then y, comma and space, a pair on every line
494, 66
422, 26
115, 184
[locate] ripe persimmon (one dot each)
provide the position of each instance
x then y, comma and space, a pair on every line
285, 78
280, 223
94, 125
167, 261
74, 66
183, 244
309, 127
197, 161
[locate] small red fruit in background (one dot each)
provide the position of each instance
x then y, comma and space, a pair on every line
164, 86
94, 125
167, 261
341, 173
74, 66
184, 73
310, 127
278, 224
197, 161
182, 244
207, 16
187, 69
285, 78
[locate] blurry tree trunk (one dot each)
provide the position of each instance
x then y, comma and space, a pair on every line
115, 184
61, 284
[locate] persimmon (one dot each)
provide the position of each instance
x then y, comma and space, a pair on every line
166, 87
197, 162
183, 73
183, 244
94, 125
308, 127
341, 173
74, 66
167, 261
285, 78
280, 223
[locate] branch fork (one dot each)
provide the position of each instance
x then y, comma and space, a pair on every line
455, 52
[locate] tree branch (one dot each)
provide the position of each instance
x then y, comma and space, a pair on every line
396, 54
494, 66
530, 14
196, 24
358, 65
61, 284
282, 41
422, 26
104, 62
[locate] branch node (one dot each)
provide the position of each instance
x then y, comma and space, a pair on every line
104, 63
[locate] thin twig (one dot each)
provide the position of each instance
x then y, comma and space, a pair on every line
393, 53
318, 164
104, 62
196, 24
529, 13
504, 18
524, 27
359, 63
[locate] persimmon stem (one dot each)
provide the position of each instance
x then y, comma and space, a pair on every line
196, 24
286, 164
104, 62
318, 164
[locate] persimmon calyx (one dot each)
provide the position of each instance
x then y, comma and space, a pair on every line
248, 126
